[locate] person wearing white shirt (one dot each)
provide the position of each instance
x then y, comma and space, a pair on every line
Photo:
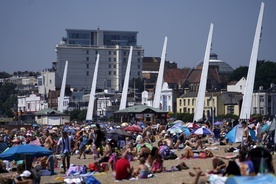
65, 144
259, 132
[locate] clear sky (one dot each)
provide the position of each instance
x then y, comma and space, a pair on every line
30, 29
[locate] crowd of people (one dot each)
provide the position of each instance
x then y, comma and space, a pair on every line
151, 146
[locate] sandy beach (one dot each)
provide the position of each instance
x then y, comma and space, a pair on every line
176, 177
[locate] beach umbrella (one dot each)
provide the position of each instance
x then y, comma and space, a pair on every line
133, 128
186, 130
174, 130
191, 125
202, 131
117, 134
218, 123
124, 124
22, 151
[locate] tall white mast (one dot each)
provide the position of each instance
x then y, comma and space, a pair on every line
126, 82
62, 90
89, 115
248, 92
203, 79
158, 87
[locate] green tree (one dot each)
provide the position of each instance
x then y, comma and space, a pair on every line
8, 99
74, 114
238, 73
265, 74
139, 84
82, 115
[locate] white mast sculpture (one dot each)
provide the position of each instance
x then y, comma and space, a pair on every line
126, 82
89, 115
158, 87
203, 79
248, 91
62, 90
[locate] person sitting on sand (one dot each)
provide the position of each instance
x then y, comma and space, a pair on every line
219, 166
142, 171
122, 168
157, 165
196, 144
25, 178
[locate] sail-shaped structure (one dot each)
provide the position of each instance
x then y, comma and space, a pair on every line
62, 90
89, 114
159, 82
203, 79
248, 91
126, 82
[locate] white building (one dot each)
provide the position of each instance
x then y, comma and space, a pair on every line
80, 48
166, 98
46, 82
32, 103
237, 86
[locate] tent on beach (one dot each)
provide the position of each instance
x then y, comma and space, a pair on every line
235, 135
264, 178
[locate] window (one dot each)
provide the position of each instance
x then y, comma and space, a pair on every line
138, 53
193, 110
138, 73
188, 110
109, 73
50, 81
114, 59
184, 110
138, 66
184, 102
180, 110
138, 60
114, 66
109, 52
87, 58
96, 52
109, 66
87, 73
87, 65
189, 104
261, 98
262, 110
180, 102
193, 101
109, 59
124, 59
240, 87
114, 72
124, 53
114, 53
87, 52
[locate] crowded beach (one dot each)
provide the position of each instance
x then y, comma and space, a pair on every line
105, 152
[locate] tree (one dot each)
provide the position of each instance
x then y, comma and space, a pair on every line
265, 74
139, 84
82, 115
239, 73
8, 99
74, 114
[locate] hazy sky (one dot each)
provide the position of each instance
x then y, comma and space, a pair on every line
30, 29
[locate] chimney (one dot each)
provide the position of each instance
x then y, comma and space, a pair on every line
261, 88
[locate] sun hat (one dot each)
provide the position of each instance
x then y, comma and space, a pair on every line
26, 173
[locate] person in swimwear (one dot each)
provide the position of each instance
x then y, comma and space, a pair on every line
142, 171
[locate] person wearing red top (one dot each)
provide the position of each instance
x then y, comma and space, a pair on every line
122, 169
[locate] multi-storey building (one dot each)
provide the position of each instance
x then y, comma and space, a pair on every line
80, 49
46, 82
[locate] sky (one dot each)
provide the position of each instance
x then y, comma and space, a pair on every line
30, 29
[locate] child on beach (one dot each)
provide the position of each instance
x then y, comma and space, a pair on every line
157, 165
142, 171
